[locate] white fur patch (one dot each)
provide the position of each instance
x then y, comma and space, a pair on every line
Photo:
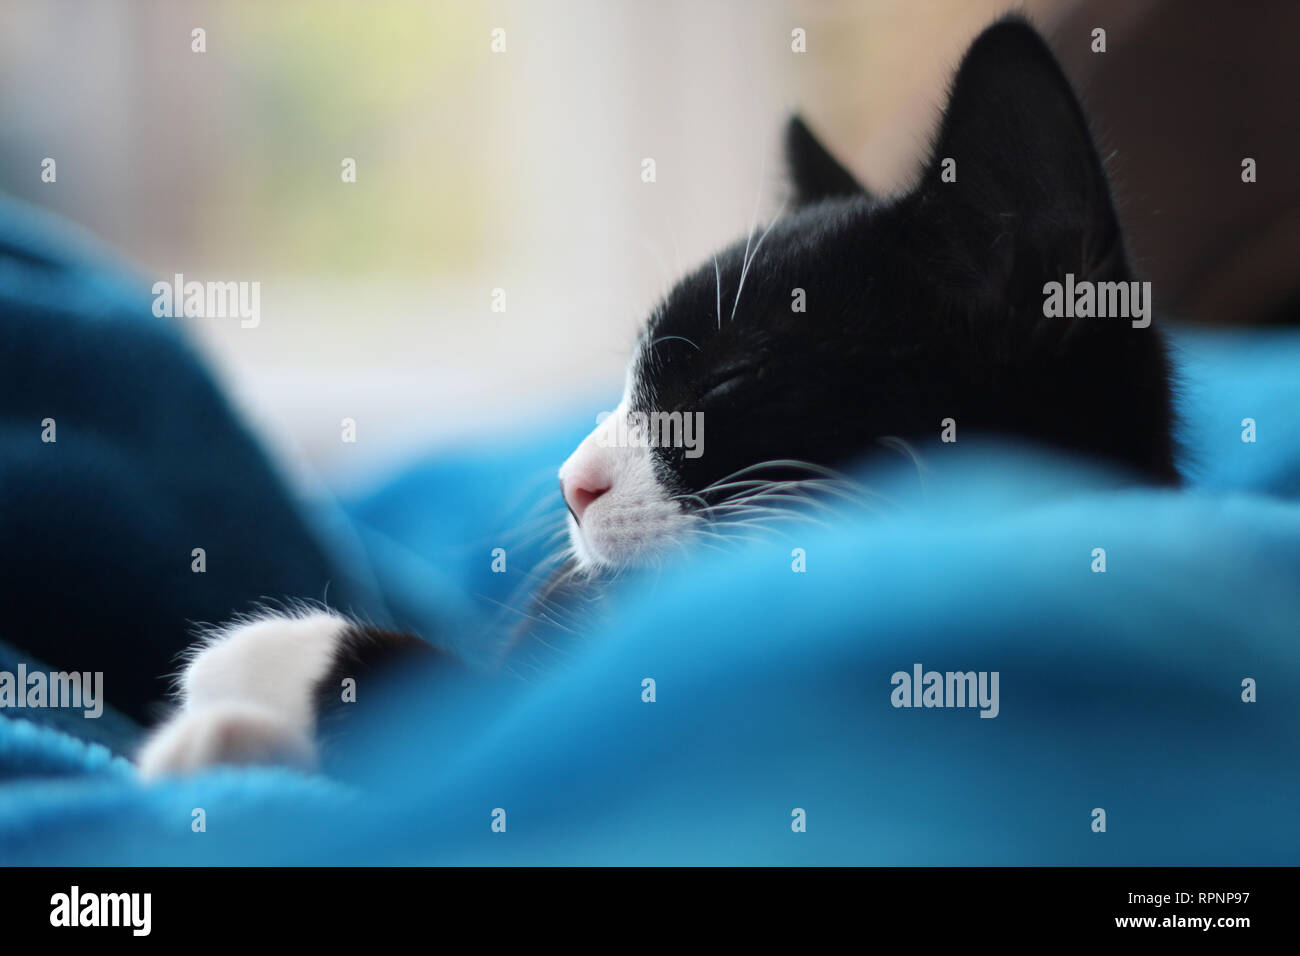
635, 521
247, 696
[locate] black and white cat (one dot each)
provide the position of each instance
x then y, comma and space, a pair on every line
918, 308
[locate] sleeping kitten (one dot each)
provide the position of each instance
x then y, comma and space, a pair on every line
918, 308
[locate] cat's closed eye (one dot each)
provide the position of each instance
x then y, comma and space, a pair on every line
727, 382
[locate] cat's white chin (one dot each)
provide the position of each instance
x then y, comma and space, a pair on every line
638, 535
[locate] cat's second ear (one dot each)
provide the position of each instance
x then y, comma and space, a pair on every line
814, 172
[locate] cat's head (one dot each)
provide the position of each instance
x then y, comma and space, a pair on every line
852, 319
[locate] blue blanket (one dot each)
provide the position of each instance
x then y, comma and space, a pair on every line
774, 695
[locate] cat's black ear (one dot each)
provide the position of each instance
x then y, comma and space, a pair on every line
1014, 164
814, 173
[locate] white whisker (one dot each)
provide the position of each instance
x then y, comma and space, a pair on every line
747, 262
753, 221
669, 338
717, 279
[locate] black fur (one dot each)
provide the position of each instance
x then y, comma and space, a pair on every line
814, 173
923, 307
368, 655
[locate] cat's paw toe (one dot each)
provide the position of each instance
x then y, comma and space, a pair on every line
226, 733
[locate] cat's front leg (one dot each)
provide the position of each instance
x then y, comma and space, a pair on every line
252, 692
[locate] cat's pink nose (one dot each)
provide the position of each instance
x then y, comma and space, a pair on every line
580, 487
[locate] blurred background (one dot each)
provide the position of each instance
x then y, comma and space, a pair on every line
521, 170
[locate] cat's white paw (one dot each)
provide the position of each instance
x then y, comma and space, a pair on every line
237, 732
248, 696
